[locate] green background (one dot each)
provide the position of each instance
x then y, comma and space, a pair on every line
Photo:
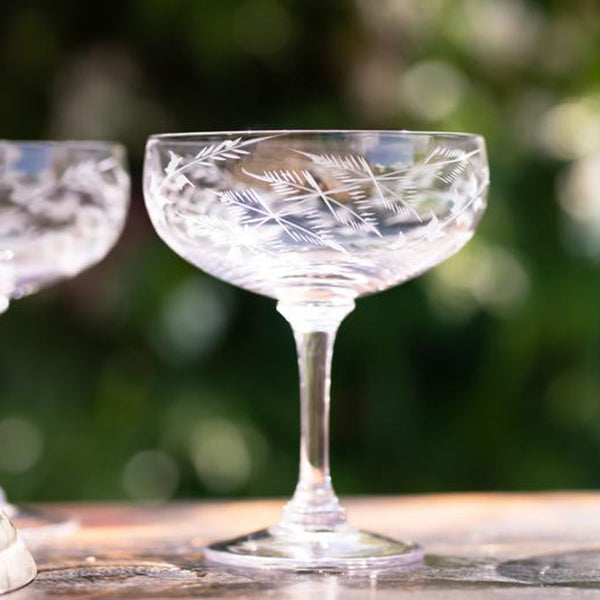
145, 379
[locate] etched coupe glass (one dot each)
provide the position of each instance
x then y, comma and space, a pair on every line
315, 219
62, 208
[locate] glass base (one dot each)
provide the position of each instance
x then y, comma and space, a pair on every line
17, 567
344, 548
36, 526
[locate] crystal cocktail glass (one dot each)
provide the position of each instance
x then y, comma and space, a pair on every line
315, 219
62, 208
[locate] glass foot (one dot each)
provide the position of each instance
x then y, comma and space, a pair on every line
37, 526
340, 549
17, 567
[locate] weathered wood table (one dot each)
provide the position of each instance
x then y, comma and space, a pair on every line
478, 546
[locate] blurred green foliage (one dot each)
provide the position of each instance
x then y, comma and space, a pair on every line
145, 379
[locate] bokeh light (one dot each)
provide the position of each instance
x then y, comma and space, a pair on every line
483, 276
193, 320
579, 196
21, 444
572, 129
150, 475
221, 454
499, 33
432, 90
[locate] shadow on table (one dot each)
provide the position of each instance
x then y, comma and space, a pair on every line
577, 569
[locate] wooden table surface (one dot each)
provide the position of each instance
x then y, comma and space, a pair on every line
478, 546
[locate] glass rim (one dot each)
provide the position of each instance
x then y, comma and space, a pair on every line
76, 144
181, 137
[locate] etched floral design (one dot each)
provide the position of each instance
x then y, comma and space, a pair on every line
62, 207
276, 195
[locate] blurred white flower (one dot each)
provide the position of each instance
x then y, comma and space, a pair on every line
571, 129
578, 191
502, 32
412, 17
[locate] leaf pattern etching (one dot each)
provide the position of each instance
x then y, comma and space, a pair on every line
303, 189
398, 190
355, 171
257, 210
205, 157
60, 211
258, 213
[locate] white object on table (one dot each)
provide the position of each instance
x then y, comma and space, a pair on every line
17, 567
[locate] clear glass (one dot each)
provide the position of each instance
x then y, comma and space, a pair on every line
315, 219
17, 567
62, 207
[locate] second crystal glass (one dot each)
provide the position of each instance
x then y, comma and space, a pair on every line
315, 219
62, 207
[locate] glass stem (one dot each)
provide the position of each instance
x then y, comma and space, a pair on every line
314, 506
